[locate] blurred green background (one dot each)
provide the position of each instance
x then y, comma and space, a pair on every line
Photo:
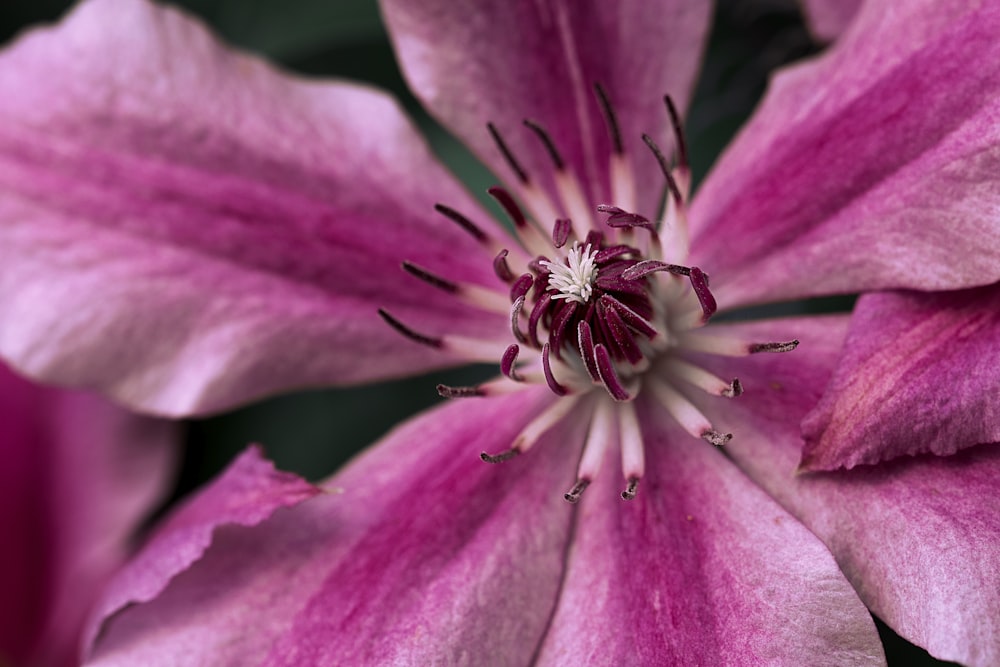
313, 433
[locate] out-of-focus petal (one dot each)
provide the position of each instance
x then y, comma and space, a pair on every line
420, 551
77, 479
828, 18
186, 228
876, 166
701, 563
919, 375
919, 537
503, 61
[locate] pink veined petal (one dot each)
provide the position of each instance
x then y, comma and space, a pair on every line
187, 228
246, 494
702, 567
875, 166
78, 478
504, 61
919, 538
827, 19
419, 550
919, 375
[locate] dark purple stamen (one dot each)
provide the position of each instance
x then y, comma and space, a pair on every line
537, 312
754, 348
595, 238
609, 118
521, 286
547, 141
675, 121
675, 191
459, 392
515, 166
585, 340
699, 283
607, 254
716, 438
632, 318
648, 266
629, 492
622, 218
554, 385
408, 332
507, 363
462, 222
574, 494
506, 200
430, 278
515, 315
619, 332
501, 457
501, 267
608, 375
560, 232
734, 390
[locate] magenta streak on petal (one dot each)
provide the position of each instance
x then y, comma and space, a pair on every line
919, 375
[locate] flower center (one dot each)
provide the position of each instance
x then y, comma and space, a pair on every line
612, 318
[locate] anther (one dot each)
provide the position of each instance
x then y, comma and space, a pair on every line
622, 218
430, 278
675, 191
574, 494
609, 118
648, 266
754, 348
515, 166
560, 232
501, 457
463, 222
501, 267
716, 438
521, 286
547, 141
629, 492
608, 375
550, 379
699, 283
585, 342
446, 391
735, 389
507, 363
515, 314
675, 121
506, 200
408, 332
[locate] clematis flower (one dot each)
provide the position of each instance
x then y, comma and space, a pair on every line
78, 477
204, 230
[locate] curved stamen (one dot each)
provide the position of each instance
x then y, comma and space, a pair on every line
515, 313
699, 377
546, 140
515, 166
464, 223
675, 191
699, 283
730, 347
521, 286
505, 455
686, 414
585, 341
429, 341
632, 448
535, 318
537, 427
608, 375
609, 118
507, 363
632, 318
561, 231
622, 218
648, 266
501, 267
675, 122
550, 379
486, 299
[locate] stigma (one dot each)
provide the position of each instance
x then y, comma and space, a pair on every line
602, 307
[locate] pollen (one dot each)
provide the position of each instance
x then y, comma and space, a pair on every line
574, 281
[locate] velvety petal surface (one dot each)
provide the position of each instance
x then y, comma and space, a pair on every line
875, 166
78, 477
420, 554
701, 568
918, 537
187, 228
502, 62
827, 19
919, 374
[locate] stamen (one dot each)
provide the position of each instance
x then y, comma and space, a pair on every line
521, 286
699, 283
675, 121
474, 295
532, 239
507, 363
665, 168
550, 379
773, 347
621, 218
620, 333
464, 223
536, 317
608, 375
573, 495
632, 449
599, 436
648, 266
546, 140
632, 318
699, 377
716, 438
446, 391
687, 415
436, 343
501, 267
515, 313
629, 492
530, 434
430, 278
609, 118
522, 175
585, 341
560, 232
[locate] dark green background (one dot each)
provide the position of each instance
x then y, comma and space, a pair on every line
313, 433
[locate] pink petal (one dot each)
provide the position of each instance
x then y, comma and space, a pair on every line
919, 538
701, 563
919, 375
827, 19
187, 228
504, 61
876, 166
78, 477
420, 550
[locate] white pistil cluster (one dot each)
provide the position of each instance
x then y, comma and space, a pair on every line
575, 280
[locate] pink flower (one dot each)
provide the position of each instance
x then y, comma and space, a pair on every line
78, 478
201, 230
